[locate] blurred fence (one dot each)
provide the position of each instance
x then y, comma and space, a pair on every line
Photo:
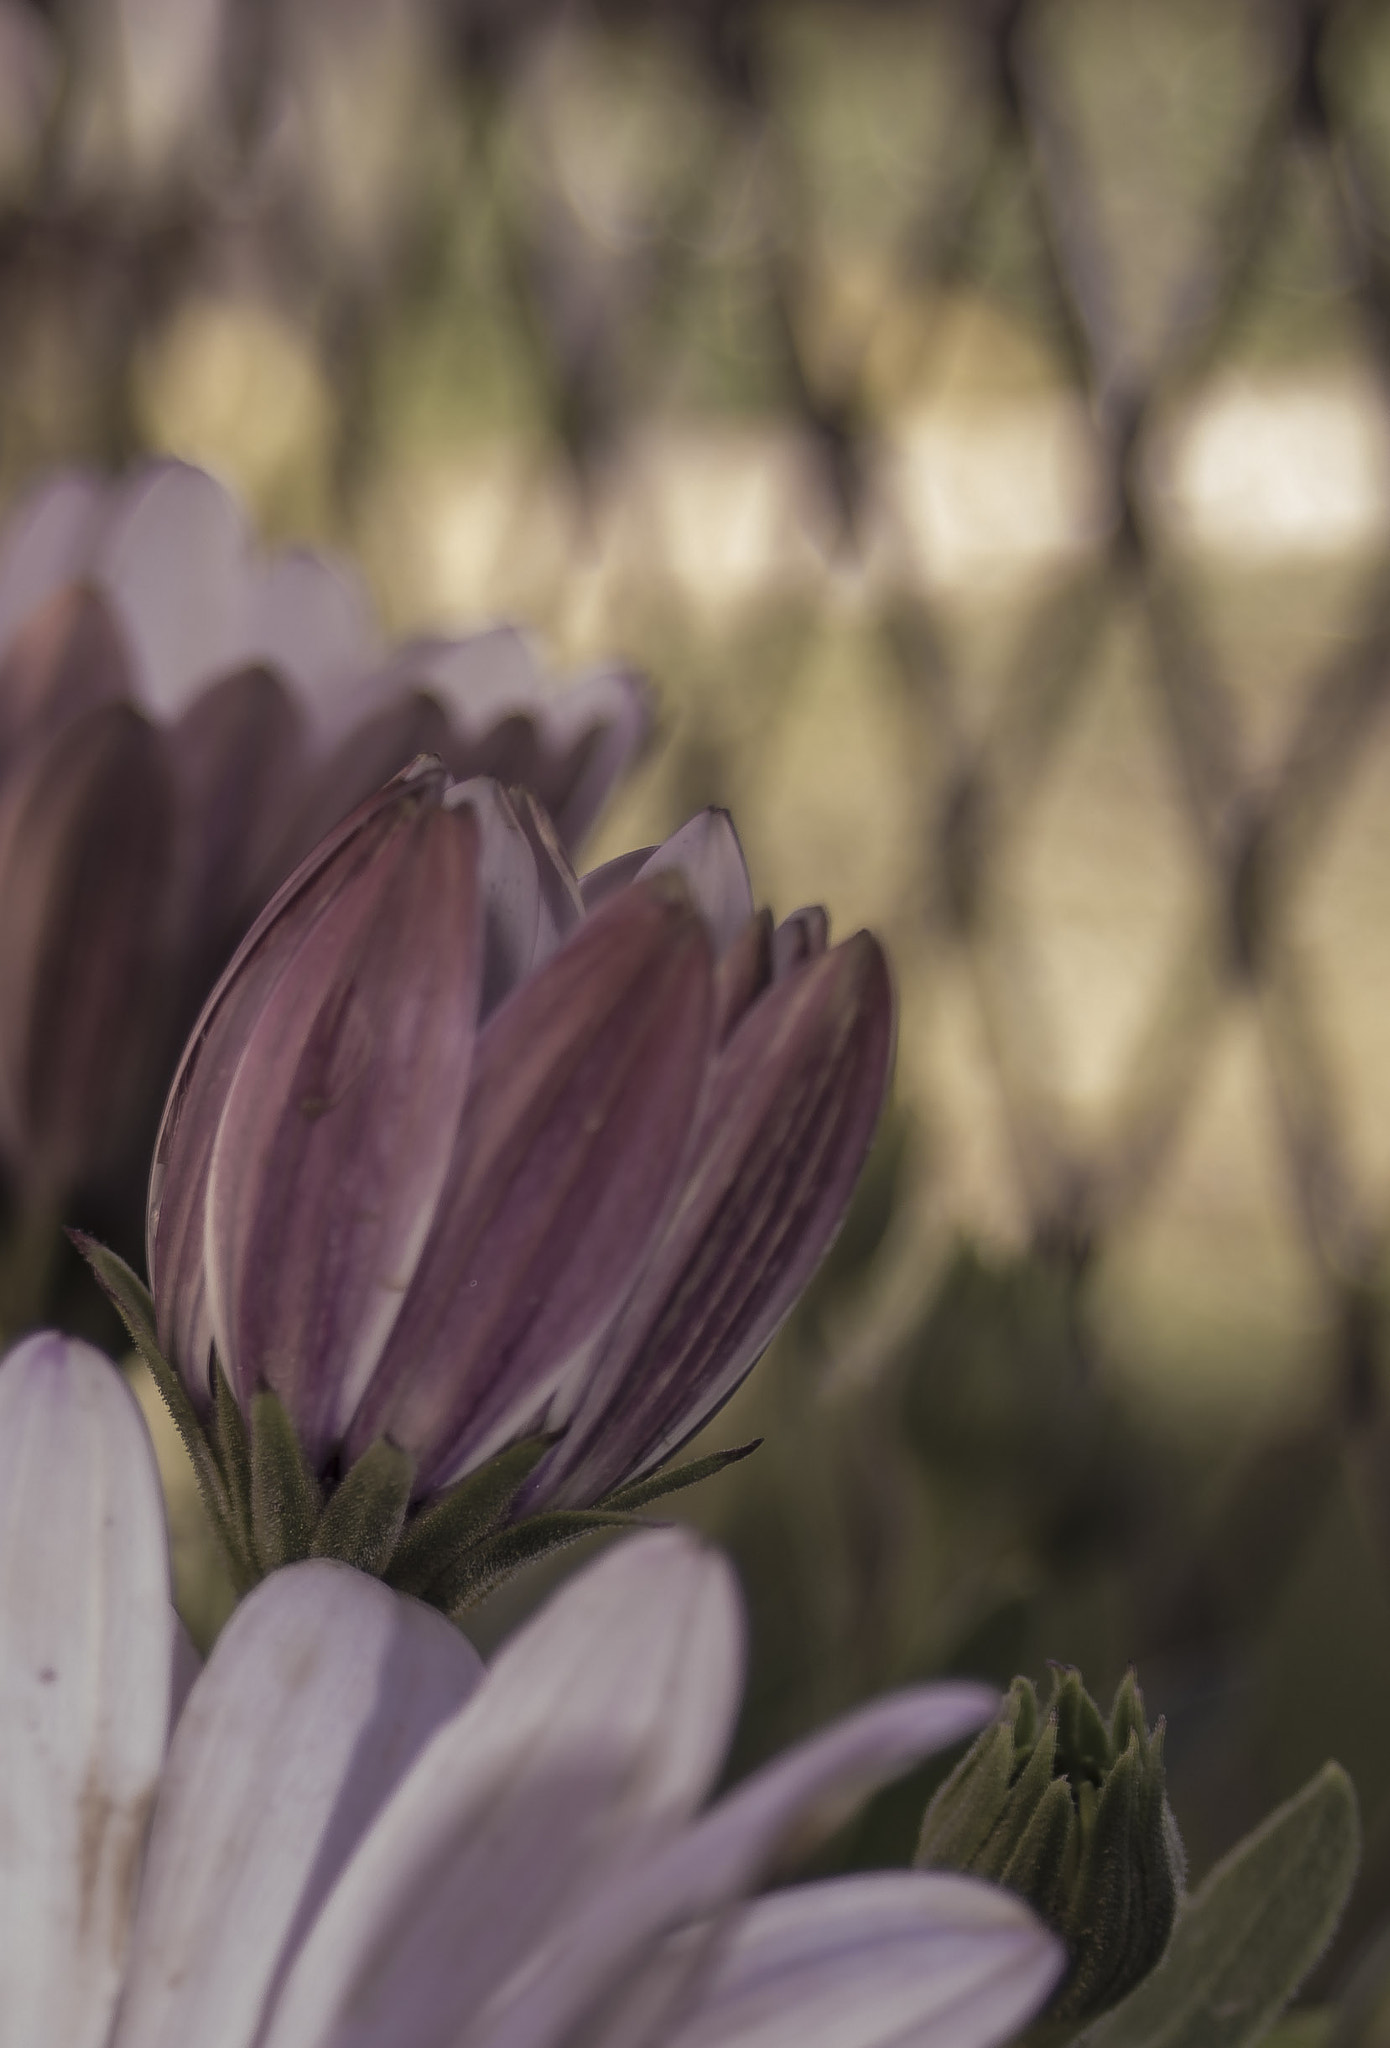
975, 412
978, 416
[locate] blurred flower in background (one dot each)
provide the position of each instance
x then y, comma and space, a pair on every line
180, 717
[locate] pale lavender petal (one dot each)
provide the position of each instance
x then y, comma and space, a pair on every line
600, 883
561, 901
186, 1666
508, 885
605, 1942
594, 1736
584, 1089
802, 936
174, 556
568, 743
785, 1124
603, 724
176, 1219
338, 1125
311, 619
322, 1691
902, 1959
744, 972
86, 1656
706, 851
46, 543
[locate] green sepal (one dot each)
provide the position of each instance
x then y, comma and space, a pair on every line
1126, 1895
133, 1303
363, 1521
966, 1808
495, 1560
1246, 1940
642, 1491
1039, 1860
436, 1543
285, 1497
232, 1449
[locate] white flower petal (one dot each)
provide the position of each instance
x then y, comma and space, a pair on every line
725, 1855
870, 1962
311, 619
45, 543
174, 558
86, 1656
319, 1696
595, 1734
706, 851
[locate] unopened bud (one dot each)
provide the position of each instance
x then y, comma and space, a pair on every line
1071, 1813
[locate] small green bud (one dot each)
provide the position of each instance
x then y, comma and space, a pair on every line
1071, 1813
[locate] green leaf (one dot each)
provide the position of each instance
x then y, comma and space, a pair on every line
1246, 1940
642, 1491
132, 1301
363, 1520
501, 1555
435, 1543
285, 1499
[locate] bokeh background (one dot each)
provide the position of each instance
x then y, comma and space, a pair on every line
976, 417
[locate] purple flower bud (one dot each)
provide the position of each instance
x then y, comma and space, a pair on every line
314, 1114
463, 1153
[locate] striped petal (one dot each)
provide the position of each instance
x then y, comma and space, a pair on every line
593, 1737
87, 1639
892, 1960
785, 1124
706, 851
337, 1126
322, 1692
176, 1219
584, 1088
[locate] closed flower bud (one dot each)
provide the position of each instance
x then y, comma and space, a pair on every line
495, 1183
1070, 1811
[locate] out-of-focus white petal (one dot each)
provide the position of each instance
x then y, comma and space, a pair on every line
174, 557
594, 1736
311, 619
186, 1666
319, 1696
479, 678
874, 1961
86, 1657
706, 851
45, 543
790, 1804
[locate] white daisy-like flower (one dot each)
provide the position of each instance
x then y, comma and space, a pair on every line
348, 1834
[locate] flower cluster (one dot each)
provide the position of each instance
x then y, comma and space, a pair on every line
180, 720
